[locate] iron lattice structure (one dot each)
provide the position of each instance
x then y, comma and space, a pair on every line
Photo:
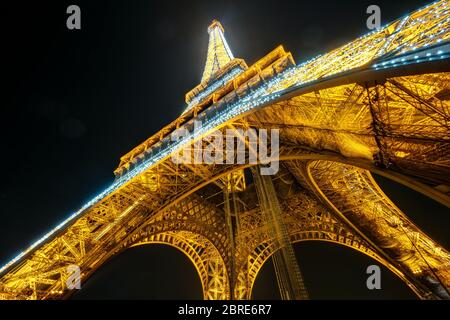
379, 104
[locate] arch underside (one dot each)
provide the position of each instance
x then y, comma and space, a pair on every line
330, 140
197, 228
354, 195
206, 259
306, 219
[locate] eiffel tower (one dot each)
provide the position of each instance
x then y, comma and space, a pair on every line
379, 104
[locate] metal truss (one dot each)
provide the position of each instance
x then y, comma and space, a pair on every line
399, 125
306, 219
204, 256
369, 106
356, 197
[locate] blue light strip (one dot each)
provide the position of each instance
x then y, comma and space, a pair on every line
254, 99
417, 56
243, 105
213, 87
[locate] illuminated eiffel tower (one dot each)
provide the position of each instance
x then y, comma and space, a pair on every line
379, 104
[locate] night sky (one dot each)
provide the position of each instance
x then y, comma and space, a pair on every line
73, 102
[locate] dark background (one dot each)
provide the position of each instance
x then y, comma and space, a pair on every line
73, 102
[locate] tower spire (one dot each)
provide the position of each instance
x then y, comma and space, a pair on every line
219, 53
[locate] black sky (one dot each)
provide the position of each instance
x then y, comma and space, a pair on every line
73, 102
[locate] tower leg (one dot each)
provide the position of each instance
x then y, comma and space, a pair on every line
289, 277
233, 182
